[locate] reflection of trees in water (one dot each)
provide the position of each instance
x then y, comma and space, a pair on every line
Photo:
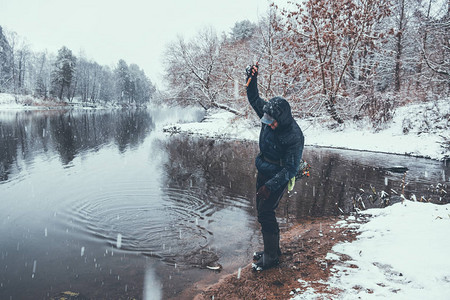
132, 127
340, 183
203, 177
226, 168
21, 135
327, 190
8, 151
218, 169
220, 173
332, 185
68, 133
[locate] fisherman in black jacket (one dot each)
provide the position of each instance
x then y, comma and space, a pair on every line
281, 144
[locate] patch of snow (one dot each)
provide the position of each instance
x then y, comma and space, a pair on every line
8, 101
27, 102
401, 253
219, 124
417, 130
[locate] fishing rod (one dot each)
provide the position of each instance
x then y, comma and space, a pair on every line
250, 68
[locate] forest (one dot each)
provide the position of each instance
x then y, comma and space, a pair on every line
343, 59
63, 77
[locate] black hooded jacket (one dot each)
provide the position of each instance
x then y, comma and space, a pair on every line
280, 149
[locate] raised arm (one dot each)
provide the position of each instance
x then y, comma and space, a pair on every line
252, 91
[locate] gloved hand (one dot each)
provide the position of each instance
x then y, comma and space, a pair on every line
252, 71
263, 193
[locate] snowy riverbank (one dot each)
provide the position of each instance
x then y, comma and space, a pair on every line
400, 253
417, 130
25, 102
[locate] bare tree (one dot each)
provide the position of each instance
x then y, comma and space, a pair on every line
6, 62
436, 44
42, 80
325, 36
193, 69
20, 57
399, 46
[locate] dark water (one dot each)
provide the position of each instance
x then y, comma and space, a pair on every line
106, 204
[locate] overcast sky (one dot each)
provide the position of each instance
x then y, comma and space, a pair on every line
108, 30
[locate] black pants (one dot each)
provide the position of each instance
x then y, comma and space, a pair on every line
266, 209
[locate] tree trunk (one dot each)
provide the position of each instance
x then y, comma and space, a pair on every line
331, 108
227, 108
20, 71
399, 46
61, 92
74, 90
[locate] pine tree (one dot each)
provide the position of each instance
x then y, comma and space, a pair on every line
242, 30
123, 84
63, 72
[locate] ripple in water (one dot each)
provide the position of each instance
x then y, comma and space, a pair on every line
168, 223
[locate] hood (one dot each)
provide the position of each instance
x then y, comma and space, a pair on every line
280, 110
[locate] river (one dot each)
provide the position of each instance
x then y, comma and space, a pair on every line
105, 204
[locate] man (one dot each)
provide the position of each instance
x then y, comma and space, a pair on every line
281, 144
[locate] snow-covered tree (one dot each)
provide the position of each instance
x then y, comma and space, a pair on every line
87, 80
411, 60
436, 45
276, 63
132, 85
242, 30
20, 54
62, 74
106, 84
42, 82
193, 69
6, 63
141, 87
123, 82
326, 37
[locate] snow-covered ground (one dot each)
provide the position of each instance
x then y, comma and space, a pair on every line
8, 101
417, 130
26, 102
401, 253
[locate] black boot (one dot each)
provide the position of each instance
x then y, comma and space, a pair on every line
258, 254
269, 258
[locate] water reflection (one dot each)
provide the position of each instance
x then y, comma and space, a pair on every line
210, 185
348, 181
81, 200
340, 182
219, 169
23, 135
